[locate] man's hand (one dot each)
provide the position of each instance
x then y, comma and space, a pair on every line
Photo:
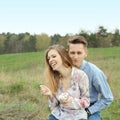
88, 112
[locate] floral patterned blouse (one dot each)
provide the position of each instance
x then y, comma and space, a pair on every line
79, 91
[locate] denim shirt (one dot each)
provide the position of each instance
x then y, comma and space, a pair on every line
79, 91
100, 93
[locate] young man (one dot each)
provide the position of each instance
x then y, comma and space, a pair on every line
100, 93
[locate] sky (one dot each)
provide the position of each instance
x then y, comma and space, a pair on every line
58, 16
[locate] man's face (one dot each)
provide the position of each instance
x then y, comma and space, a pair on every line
77, 53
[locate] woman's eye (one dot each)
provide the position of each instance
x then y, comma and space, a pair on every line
54, 56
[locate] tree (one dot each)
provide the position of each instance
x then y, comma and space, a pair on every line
2, 40
63, 40
42, 41
102, 37
55, 39
102, 31
116, 38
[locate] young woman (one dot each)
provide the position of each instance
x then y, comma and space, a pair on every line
67, 87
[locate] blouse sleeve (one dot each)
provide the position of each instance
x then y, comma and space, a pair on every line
53, 102
84, 100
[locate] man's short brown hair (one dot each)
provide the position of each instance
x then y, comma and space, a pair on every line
78, 40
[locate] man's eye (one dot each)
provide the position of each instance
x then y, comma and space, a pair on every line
79, 53
72, 53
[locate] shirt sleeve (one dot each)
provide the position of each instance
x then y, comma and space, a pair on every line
105, 94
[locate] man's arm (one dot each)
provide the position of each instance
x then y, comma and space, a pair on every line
106, 97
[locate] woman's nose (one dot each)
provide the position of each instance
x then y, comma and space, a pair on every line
50, 60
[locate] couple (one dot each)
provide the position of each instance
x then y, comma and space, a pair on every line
73, 93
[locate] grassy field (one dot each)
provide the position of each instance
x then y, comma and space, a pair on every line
21, 74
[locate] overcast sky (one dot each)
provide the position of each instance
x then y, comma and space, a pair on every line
58, 16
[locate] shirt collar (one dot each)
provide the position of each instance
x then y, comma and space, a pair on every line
83, 65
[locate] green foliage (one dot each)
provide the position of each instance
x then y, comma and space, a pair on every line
42, 42
24, 42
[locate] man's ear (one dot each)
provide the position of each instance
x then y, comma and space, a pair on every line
86, 52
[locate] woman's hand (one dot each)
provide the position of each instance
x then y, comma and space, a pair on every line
65, 99
67, 102
45, 91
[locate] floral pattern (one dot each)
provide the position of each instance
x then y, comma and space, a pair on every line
79, 91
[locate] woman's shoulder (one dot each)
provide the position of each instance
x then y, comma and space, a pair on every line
78, 75
78, 71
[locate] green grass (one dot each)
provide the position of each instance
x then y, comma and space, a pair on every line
20, 61
21, 74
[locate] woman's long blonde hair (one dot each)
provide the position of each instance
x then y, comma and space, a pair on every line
52, 77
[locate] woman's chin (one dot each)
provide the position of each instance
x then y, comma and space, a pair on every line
53, 68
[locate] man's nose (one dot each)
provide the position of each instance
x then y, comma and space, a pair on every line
75, 55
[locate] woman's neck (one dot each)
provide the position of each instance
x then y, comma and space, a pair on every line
66, 73
66, 78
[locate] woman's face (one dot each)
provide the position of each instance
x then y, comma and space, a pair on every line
54, 59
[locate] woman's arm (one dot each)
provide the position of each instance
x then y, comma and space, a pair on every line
53, 102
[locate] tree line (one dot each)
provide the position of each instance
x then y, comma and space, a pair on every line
25, 42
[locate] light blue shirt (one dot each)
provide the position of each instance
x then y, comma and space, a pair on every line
100, 92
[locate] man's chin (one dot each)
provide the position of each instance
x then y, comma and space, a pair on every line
76, 65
